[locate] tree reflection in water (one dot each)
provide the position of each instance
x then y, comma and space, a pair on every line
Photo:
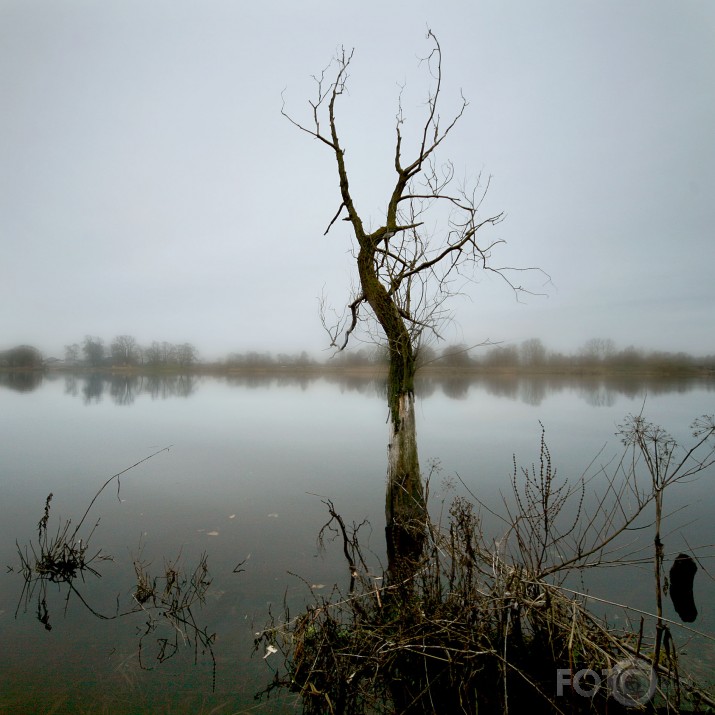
532, 389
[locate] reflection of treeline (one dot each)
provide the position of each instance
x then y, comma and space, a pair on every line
597, 390
21, 380
123, 389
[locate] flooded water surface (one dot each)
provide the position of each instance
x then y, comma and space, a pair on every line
220, 525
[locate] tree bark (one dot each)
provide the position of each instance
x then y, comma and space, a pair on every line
404, 501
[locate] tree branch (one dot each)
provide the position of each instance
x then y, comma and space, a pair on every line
406, 272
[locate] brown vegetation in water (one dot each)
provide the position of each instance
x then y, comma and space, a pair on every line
498, 626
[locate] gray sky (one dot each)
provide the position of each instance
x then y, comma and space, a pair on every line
150, 186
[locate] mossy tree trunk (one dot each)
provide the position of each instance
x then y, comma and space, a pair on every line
404, 501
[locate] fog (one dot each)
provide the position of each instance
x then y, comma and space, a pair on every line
150, 186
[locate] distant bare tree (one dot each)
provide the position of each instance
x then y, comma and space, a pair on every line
167, 352
72, 353
597, 349
124, 349
533, 352
93, 349
455, 356
406, 271
507, 356
186, 354
152, 354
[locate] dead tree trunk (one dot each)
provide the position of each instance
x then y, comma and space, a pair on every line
404, 506
404, 501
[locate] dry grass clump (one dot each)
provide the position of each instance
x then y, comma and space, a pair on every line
167, 602
489, 626
60, 557
470, 631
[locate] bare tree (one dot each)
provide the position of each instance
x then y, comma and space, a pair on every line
93, 349
406, 272
186, 354
533, 352
597, 350
124, 349
72, 353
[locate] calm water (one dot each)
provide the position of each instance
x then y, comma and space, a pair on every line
248, 463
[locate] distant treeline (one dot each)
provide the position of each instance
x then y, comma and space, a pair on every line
597, 354
125, 351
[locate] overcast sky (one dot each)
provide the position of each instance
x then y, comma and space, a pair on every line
149, 185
